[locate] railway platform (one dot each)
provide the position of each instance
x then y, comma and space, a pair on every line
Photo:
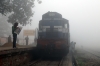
7, 50
14, 57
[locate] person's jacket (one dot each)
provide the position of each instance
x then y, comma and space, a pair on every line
13, 29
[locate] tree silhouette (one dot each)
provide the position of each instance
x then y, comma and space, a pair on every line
18, 10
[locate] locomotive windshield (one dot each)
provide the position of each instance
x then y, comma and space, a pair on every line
51, 25
52, 28
55, 25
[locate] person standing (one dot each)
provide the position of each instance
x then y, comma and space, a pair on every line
14, 27
27, 40
9, 39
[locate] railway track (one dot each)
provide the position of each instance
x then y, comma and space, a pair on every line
46, 63
65, 61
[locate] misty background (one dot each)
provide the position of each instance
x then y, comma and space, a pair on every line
83, 16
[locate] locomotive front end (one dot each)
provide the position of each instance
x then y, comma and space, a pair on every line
53, 35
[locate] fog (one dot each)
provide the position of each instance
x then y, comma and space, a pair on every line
83, 16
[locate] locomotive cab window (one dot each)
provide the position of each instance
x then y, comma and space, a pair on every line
46, 28
57, 28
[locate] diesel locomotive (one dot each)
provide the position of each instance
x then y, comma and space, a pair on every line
53, 35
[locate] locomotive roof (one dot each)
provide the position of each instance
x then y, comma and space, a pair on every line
55, 14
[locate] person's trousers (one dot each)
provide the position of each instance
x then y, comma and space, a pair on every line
26, 42
14, 40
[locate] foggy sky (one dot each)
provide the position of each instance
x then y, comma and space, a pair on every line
83, 16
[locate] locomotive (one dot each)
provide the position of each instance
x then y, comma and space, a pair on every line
53, 35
